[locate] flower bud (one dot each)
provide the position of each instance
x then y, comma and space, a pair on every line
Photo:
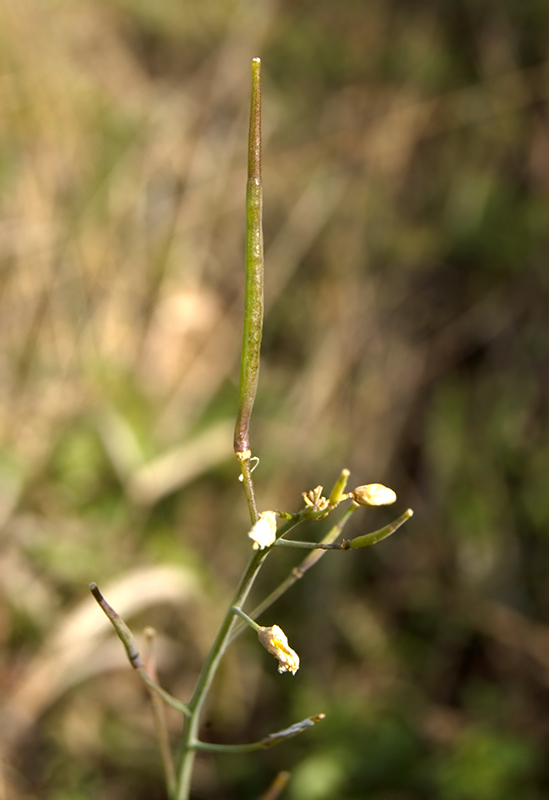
263, 531
373, 494
275, 641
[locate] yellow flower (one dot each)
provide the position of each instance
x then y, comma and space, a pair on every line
263, 532
373, 494
275, 641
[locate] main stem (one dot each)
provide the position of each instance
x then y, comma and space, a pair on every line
249, 375
190, 736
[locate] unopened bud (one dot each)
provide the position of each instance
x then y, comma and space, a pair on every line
275, 641
373, 494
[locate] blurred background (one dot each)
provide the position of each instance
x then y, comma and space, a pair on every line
406, 169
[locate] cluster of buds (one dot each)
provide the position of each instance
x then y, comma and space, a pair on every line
263, 534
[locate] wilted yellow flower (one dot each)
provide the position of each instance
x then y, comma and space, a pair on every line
373, 494
275, 641
263, 532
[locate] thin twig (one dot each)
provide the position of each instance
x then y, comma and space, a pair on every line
159, 715
344, 545
128, 640
268, 741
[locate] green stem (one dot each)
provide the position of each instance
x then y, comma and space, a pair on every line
190, 736
248, 620
269, 741
249, 375
376, 536
245, 469
210, 747
312, 545
165, 696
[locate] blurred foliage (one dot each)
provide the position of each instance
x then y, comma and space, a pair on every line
406, 205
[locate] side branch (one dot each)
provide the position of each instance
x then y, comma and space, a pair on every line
269, 741
350, 544
130, 645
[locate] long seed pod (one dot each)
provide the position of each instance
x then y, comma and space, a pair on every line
253, 308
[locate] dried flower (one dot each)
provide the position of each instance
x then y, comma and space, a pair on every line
373, 494
275, 641
263, 531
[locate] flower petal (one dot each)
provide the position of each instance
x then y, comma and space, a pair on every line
275, 641
263, 532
